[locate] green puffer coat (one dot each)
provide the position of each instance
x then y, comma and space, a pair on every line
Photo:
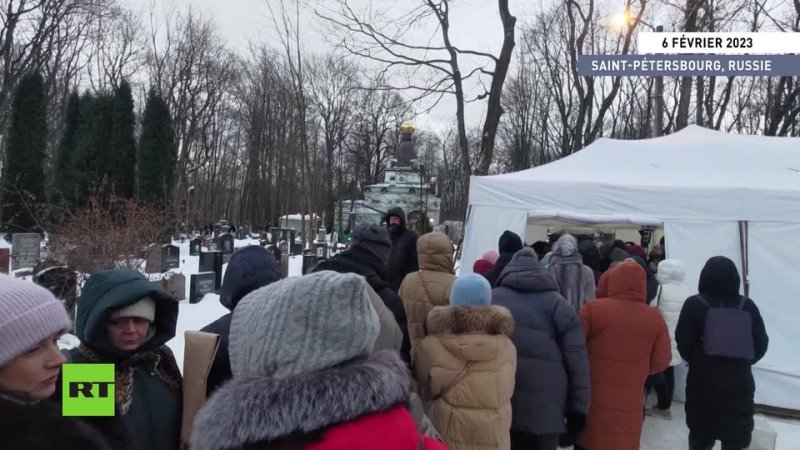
148, 382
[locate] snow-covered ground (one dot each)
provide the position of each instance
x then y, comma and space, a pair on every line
658, 434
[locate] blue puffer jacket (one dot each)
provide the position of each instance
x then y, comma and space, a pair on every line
552, 363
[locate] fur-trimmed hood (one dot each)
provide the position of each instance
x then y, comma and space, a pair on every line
491, 320
257, 409
471, 333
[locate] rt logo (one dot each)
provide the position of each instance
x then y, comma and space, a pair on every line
87, 390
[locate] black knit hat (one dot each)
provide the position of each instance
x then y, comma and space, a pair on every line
373, 238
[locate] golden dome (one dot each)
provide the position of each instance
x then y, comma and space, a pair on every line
407, 127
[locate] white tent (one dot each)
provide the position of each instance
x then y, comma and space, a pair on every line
714, 194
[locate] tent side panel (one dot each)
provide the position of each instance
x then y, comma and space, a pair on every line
774, 256
693, 243
484, 226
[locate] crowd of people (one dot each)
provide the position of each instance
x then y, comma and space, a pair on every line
384, 347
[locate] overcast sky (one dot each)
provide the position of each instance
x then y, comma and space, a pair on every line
475, 25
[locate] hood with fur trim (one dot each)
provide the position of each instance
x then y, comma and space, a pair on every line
258, 409
492, 320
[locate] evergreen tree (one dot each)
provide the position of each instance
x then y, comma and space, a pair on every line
122, 148
64, 172
157, 154
93, 155
26, 150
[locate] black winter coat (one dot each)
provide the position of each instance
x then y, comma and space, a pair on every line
719, 391
249, 269
552, 377
403, 257
40, 426
361, 261
508, 244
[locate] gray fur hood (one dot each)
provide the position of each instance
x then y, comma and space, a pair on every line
256, 409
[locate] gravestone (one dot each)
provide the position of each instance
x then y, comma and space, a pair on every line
212, 262
295, 249
195, 245
309, 261
175, 286
170, 257
153, 262
242, 233
284, 265
62, 282
5, 260
201, 284
225, 243
25, 249
321, 250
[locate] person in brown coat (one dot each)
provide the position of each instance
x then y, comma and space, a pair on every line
466, 368
627, 341
429, 286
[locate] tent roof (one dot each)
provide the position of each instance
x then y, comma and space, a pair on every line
696, 173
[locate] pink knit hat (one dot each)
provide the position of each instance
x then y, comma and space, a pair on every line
490, 255
29, 313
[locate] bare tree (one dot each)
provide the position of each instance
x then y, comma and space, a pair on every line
390, 42
193, 70
333, 84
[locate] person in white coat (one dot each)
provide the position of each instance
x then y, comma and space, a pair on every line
669, 301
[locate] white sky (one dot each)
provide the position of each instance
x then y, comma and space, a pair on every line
475, 25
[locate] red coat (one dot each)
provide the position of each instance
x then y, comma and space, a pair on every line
394, 429
627, 341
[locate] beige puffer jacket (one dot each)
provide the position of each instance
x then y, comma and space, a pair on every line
473, 344
428, 287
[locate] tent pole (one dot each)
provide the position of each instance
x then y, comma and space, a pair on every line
743, 247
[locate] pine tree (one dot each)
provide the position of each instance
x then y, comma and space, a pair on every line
157, 154
64, 172
26, 150
122, 147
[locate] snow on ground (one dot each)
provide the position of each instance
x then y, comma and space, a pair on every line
661, 434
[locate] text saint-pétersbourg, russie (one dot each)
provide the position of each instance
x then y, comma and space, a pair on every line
741, 65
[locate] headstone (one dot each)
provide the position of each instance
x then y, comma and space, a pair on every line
175, 286
201, 284
321, 250
195, 245
5, 260
284, 265
295, 249
170, 257
25, 249
153, 262
309, 261
321, 235
212, 262
225, 243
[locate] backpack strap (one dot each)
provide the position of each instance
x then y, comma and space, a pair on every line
702, 299
457, 379
742, 301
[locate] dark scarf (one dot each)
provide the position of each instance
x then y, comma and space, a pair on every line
159, 361
568, 271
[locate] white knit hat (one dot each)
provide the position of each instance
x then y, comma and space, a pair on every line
144, 309
29, 314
